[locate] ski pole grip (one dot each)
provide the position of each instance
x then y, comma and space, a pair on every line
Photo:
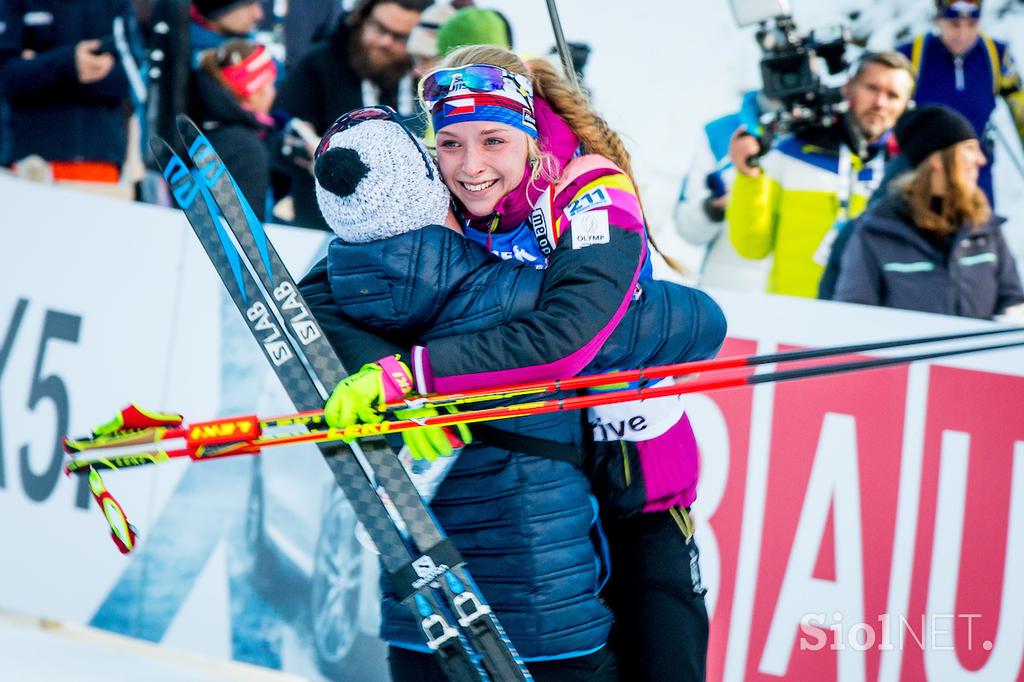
220, 431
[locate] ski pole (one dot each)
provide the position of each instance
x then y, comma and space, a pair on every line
563, 47
680, 369
253, 446
250, 427
201, 433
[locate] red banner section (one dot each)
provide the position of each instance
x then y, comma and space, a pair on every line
724, 435
865, 530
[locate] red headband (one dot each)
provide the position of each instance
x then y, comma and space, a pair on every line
254, 72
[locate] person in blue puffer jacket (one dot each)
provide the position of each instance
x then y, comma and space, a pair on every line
524, 522
394, 278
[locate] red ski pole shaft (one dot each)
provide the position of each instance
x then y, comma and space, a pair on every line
611, 397
684, 368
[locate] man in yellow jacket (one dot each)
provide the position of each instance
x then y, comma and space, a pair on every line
813, 181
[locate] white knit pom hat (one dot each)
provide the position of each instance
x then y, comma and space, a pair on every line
374, 180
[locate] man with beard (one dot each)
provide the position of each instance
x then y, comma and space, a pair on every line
812, 183
363, 62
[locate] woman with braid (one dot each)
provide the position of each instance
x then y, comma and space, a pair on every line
537, 176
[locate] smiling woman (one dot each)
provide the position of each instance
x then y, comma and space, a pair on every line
482, 161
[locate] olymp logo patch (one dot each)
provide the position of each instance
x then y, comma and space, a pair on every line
590, 228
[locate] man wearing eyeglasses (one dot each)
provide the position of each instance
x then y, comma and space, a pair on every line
362, 63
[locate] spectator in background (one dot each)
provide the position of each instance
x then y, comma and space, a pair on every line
967, 71
422, 44
363, 62
234, 89
699, 215
474, 26
811, 183
216, 21
306, 23
932, 244
64, 86
444, 26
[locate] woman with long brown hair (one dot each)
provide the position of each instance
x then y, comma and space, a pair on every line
932, 244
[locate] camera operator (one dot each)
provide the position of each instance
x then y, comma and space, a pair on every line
810, 183
65, 88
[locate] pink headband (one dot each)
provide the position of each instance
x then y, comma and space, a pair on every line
252, 73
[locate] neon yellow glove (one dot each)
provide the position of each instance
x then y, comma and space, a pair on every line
361, 397
429, 442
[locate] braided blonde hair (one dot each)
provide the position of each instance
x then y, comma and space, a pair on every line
570, 103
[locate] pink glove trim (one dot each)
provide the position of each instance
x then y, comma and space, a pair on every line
395, 379
421, 368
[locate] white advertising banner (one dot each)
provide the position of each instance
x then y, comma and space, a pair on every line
857, 527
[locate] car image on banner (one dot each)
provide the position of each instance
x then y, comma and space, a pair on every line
300, 531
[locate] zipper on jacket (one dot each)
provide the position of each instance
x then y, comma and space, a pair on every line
490, 230
681, 515
625, 463
958, 64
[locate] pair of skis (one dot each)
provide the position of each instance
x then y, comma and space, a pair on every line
426, 571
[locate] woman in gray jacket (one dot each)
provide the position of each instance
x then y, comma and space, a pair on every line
932, 244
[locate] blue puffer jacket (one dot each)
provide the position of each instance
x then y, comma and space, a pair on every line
439, 284
525, 524
433, 283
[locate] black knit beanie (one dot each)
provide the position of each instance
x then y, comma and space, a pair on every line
931, 128
214, 9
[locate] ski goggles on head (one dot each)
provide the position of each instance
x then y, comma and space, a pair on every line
960, 9
377, 112
479, 92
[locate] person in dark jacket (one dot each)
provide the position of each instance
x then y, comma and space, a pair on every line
363, 62
64, 86
234, 89
537, 512
932, 244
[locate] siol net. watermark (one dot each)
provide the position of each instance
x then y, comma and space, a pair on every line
933, 631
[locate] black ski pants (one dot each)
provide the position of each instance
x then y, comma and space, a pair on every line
655, 592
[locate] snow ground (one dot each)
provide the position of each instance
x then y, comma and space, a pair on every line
37, 650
